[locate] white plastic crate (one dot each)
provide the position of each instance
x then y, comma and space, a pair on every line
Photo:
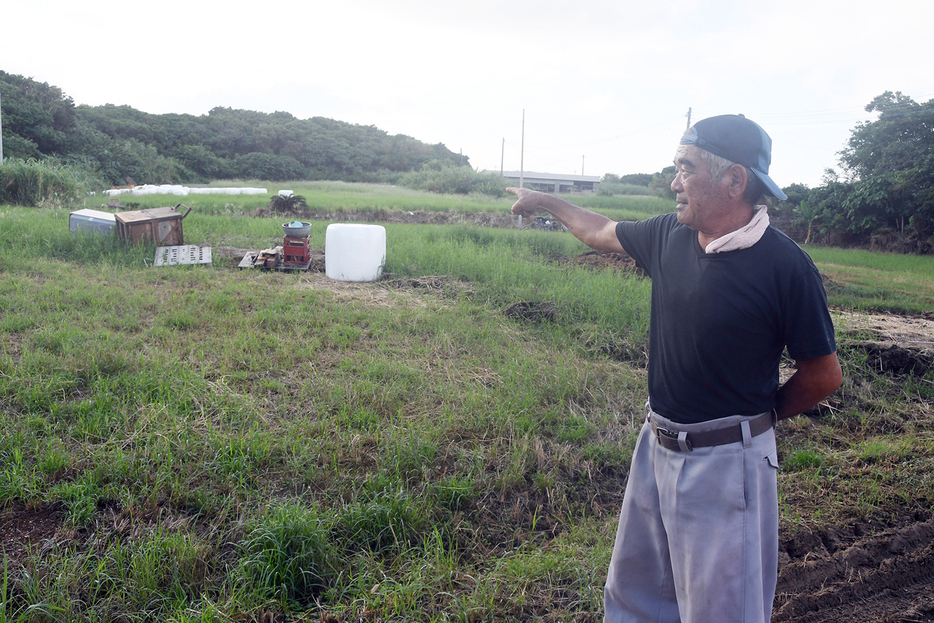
182, 254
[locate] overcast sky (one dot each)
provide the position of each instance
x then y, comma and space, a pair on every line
605, 85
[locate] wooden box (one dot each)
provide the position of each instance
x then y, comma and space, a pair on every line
162, 226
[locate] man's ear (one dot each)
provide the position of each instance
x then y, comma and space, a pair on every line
738, 180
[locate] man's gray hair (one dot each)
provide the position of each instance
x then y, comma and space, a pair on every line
717, 165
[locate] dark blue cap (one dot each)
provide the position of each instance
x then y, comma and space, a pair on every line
739, 140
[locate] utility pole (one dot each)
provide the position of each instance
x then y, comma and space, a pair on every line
522, 161
1, 133
522, 153
502, 155
582, 165
689, 120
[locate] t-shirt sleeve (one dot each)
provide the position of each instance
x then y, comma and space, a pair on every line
642, 239
809, 331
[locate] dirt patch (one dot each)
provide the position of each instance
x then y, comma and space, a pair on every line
532, 312
858, 575
444, 285
886, 329
600, 261
893, 344
615, 261
23, 530
896, 360
867, 573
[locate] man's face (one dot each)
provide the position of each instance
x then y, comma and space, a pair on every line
701, 199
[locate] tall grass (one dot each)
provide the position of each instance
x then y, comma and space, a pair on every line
509, 266
41, 183
863, 280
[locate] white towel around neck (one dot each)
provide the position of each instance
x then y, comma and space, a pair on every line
744, 237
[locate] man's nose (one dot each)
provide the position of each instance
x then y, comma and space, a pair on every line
676, 184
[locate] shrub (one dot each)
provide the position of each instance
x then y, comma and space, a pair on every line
638, 179
288, 204
438, 177
624, 189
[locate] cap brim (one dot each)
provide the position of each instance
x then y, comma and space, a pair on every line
771, 186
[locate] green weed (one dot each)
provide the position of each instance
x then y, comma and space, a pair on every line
804, 459
288, 555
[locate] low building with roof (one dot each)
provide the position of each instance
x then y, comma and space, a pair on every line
554, 183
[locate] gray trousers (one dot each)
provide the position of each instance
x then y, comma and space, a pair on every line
698, 532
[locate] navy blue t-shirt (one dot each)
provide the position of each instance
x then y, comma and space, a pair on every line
720, 322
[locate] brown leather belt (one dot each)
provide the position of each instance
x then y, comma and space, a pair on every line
717, 437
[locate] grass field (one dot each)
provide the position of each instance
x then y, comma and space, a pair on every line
210, 444
336, 197
880, 281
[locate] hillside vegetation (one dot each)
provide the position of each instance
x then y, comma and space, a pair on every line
123, 145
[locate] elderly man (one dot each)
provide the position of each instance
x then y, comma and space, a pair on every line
698, 532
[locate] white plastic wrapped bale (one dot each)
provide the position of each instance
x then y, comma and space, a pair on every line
161, 189
178, 190
286, 193
354, 252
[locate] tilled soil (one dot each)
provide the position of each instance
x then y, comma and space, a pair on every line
844, 575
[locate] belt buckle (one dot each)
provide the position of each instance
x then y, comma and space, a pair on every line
673, 437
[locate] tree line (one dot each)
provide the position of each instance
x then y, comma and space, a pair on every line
884, 193
122, 145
